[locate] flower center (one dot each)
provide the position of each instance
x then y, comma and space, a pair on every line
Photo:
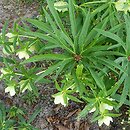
77, 57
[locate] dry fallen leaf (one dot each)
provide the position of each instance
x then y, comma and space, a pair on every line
53, 119
71, 114
61, 127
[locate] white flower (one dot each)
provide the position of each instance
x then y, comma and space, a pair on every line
60, 99
122, 5
122, 0
61, 6
106, 120
11, 90
22, 54
104, 106
9, 35
4, 71
92, 110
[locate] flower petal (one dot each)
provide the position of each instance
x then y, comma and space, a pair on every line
11, 90
61, 6
60, 99
107, 120
22, 54
100, 122
104, 106
92, 110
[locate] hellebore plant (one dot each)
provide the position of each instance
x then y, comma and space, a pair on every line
87, 50
81, 45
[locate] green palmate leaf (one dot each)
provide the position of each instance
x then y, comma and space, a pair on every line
50, 70
112, 36
41, 36
93, 36
97, 118
105, 14
74, 98
107, 53
52, 23
24, 85
50, 39
86, 110
34, 88
3, 112
114, 46
97, 48
64, 63
97, 79
7, 59
57, 86
127, 22
99, 9
7, 64
118, 84
109, 102
42, 26
126, 87
55, 15
67, 39
92, 2
1, 117
102, 38
47, 57
72, 18
77, 83
33, 116
84, 31
112, 16
109, 66
79, 70
4, 31
65, 46
112, 115
117, 98
48, 47
112, 63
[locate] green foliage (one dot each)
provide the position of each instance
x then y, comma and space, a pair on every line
85, 44
14, 118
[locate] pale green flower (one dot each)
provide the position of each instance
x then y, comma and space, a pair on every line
9, 35
92, 110
60, 99
11, 90
104, 106
5, 71
24, 85
61, 6
22, 54
106, 120
122, 5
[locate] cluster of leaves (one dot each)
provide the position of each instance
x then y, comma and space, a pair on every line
86, 45
14, 118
